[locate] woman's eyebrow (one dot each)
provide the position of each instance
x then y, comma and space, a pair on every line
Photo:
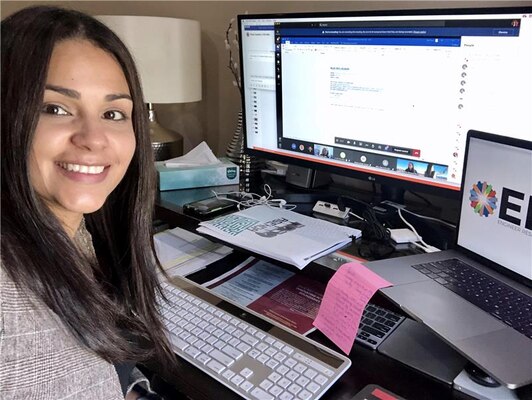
118, 96
64, 91
77, 95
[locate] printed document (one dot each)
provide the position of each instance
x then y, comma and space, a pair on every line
280, 234
283, 296
181, 252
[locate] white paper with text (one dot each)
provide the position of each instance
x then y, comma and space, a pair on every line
280, 234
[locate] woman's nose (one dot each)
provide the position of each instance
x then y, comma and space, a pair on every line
90, 134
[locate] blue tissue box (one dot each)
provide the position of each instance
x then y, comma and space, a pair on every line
172, 178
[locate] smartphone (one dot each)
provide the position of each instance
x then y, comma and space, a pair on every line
210, 207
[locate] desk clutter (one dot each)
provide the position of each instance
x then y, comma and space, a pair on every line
279, 234
182, 253
242, 351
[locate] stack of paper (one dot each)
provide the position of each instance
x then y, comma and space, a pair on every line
286, 297
181, 252
280, 234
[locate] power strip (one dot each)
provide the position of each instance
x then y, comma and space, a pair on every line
330, 209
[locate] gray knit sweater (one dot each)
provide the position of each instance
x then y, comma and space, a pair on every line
39, 357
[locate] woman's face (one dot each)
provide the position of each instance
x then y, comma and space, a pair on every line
84, 140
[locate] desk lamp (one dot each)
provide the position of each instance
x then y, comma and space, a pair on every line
167, 52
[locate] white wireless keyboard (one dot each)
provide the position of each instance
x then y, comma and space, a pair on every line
249, 355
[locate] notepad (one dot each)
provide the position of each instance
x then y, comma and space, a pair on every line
346, 296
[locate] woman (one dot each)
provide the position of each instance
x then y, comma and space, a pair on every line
411, 168
78, 275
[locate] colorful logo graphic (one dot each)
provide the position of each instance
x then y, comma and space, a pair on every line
483, 200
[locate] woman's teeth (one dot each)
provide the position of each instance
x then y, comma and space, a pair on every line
83, 169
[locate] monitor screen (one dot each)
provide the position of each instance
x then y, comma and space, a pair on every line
385, 96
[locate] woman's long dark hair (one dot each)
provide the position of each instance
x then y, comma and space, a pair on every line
115, 314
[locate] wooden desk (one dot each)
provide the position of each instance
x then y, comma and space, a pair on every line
368, 366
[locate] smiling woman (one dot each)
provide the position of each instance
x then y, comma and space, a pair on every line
78, 271
84, 140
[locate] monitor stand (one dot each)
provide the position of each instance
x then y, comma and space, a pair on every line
306, 178
393, 193
302, 186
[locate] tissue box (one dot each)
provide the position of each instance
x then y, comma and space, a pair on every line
171, 178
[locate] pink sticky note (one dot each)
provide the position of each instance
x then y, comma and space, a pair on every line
347, 294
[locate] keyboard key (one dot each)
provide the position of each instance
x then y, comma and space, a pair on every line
302, 381
260, 394
313, 387
232, 352
215, 366
304, 395
221, 357
266, 384
246, 386
290, 363
192, 351
294, 388
276, 390
310, 373
246, 373
272, 363
274, 377
203, 358
237, 380
286, 396
249, 340
284, 383
263, 358
320, 379
228, 374
292, 375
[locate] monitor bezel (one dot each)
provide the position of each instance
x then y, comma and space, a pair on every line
372, 177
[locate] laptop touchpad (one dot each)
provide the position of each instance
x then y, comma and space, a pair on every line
441, 310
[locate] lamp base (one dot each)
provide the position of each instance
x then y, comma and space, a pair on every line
165, 143
166, 150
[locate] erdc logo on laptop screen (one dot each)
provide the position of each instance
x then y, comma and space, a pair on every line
484, 202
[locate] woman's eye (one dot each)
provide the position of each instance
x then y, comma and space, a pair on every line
54, 109
114, 115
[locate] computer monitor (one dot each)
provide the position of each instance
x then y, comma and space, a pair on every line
385, 96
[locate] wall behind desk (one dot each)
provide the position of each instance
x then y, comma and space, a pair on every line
214, 118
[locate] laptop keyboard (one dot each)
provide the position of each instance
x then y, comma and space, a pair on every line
377, 324
256, 363
500, 300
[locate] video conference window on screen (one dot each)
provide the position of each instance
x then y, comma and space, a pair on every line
393, 96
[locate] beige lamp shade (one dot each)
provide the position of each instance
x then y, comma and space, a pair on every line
167, 52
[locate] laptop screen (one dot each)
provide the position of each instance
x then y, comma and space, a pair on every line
496, 209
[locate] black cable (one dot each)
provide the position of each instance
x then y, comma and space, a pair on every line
372, 228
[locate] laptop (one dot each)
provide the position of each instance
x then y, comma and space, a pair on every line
494, 237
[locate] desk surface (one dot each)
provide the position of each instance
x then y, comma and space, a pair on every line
368, 366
